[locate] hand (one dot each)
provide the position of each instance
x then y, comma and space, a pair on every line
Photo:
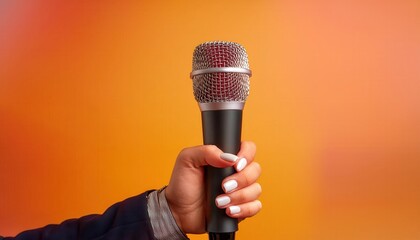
186, 194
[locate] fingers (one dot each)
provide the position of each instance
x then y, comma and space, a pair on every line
242, 179
246, 155
243, 203
200, 156
244, 210
244, 195
241, 189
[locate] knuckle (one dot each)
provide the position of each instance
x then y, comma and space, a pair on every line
211, 147
247, 180
259, 204
257, 167
259, 188
183, 153
256, 208
242, 196
208, 149
253, 145
250, 144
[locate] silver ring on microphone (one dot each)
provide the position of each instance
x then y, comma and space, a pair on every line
221, 70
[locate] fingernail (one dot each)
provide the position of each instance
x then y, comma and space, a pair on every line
234, 209
241, 164
222, 201
228, 157
230, 185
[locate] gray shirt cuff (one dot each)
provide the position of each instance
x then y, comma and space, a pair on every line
163, 223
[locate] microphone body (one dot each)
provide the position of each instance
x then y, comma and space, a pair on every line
223, 129
221, 85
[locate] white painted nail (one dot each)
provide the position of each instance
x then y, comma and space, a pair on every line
241, 164
234, 209
222, 201
228, 157
230, 185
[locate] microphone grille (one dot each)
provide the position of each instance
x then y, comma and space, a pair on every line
220, 84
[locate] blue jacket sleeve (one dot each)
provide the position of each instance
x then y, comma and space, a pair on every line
125, 220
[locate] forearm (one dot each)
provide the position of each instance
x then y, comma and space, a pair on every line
128, 219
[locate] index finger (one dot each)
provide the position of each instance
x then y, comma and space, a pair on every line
245, 155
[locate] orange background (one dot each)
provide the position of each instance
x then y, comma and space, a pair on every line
96, 102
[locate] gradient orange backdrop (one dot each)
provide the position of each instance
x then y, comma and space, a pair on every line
96, 102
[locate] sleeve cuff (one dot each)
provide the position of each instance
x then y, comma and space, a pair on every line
163, 223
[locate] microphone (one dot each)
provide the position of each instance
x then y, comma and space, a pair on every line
220, 74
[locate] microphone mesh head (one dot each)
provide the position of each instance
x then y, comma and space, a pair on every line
220, 86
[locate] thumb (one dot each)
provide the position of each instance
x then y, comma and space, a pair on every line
200, 156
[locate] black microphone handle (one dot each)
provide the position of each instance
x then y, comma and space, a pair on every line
223, 129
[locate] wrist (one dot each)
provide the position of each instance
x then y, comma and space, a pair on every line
175, 214
162, 220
